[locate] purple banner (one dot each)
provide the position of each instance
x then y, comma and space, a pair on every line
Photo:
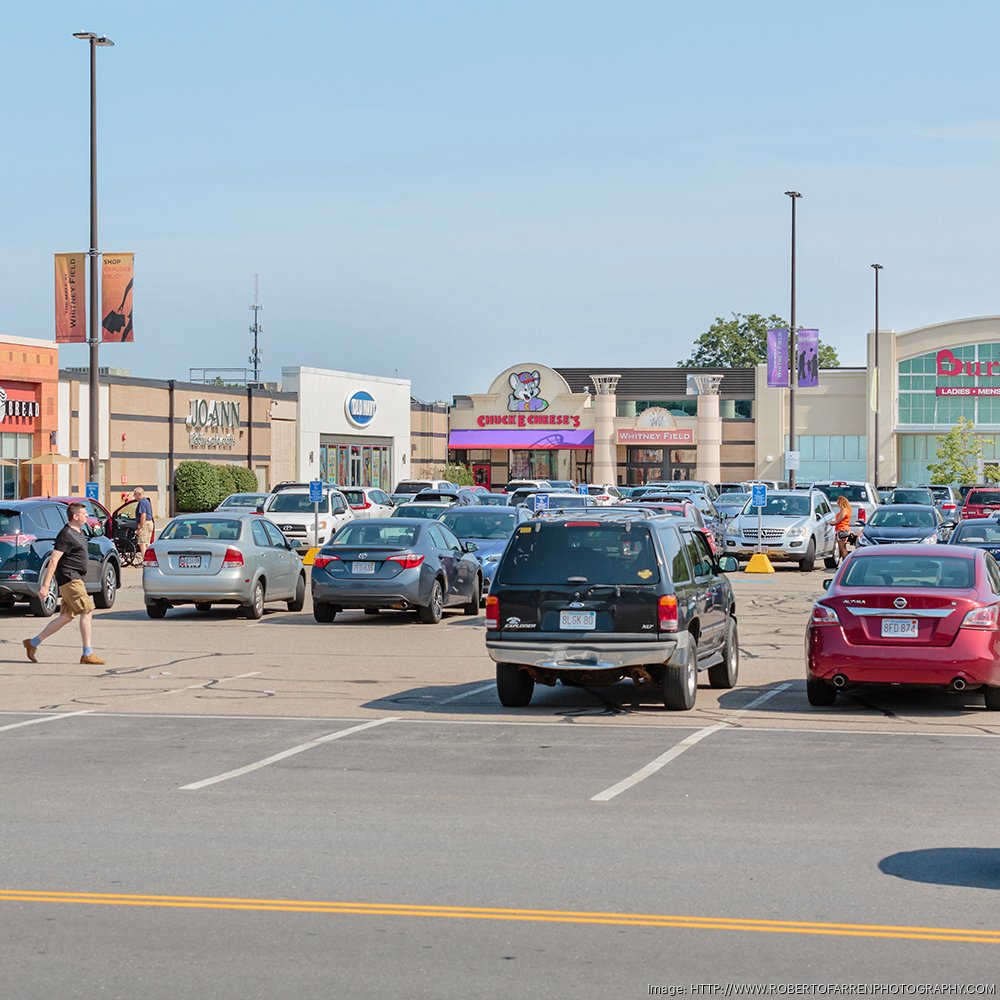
547, 440
777, 358
808, 355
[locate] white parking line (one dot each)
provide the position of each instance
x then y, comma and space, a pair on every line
205, 684
468, 694
47, 718
674, 752
194, 786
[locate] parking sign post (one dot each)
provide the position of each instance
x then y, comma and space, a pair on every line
315, 495
759, 563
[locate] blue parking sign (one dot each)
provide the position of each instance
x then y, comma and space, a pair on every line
316, 491
93, 491
541, 502
582, 488
758, 495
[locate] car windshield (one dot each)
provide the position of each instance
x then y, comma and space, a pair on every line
485, 524
732, 499
429, 512
493, 499
366, 533
978, 530
856, 494
911, 496
243, 500
902, 519
910, 571
784, 506
201, 527
288, 502
558, 552
983, 496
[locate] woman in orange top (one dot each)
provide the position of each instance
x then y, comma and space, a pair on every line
842, 524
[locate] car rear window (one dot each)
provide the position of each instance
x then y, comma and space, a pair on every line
429, 512
856, 494
486, 524
377, 534
983, 496
10, 523
580, 551
945, 572
414, 486
912, 496
196, 527
977, 530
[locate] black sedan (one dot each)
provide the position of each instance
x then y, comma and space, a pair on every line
905, 522
979, 533
398, 564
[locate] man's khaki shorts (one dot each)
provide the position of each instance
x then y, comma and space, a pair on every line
144, 533
75, 599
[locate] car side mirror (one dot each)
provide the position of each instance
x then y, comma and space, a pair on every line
470, 547
828, 583
87, 531
97, 531
819, 516
293, 544
729, 564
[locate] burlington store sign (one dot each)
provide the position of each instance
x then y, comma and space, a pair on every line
948, 366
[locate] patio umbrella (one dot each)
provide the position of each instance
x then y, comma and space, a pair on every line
52, 458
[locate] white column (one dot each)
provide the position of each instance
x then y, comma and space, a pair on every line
709, 467
605, 445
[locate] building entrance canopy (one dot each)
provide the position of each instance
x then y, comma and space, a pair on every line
503, 439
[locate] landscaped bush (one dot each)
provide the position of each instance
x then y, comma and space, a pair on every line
201, 486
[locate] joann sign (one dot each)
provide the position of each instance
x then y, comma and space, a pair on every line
25, 408
213, 422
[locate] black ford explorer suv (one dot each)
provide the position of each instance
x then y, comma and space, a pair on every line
596, 598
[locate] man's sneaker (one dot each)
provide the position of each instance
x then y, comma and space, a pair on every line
32, 650
92, 661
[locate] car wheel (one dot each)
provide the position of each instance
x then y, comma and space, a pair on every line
808, 563
157, 610
431, 613
371, 611
323, 612
472, 608
514, 686
725, 674
819, 693
46, 608
679, 682
255, 609
202, 606
298, 602
105, 597
833, 560
992, 698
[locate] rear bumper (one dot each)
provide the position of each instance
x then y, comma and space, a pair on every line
974, 656
18, 588
227, 586
586, 657
407, 588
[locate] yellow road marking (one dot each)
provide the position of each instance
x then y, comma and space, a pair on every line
746, 925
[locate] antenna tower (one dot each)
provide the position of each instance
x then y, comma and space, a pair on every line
256, 330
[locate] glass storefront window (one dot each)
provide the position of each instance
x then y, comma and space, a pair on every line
541, 464
918, 382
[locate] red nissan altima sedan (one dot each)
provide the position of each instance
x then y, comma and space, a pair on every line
915, 615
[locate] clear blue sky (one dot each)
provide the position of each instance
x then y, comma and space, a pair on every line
445, 187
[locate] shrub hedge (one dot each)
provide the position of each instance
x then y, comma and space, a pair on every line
200, 486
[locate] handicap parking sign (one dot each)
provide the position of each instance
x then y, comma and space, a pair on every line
582, 488
541, 501
93, 491
316, 491
758, 497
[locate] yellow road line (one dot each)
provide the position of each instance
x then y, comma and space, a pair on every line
737, 924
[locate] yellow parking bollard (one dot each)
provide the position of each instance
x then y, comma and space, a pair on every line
759, 563
307, 559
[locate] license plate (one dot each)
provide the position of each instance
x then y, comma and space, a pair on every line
899, 628
578, 619
363, 568
189, 562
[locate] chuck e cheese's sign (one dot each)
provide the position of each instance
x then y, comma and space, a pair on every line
528, 420
948, 366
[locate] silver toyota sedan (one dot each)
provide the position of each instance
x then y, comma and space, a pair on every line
206, 559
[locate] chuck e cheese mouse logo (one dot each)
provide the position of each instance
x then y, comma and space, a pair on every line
524, 405
526, 392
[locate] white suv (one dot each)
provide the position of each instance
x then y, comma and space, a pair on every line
604, 495
369, 501
292, 511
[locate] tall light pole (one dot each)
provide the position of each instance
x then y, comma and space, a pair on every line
793, 366
875, 377
93, 467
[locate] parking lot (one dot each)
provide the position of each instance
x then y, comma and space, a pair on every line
358, 815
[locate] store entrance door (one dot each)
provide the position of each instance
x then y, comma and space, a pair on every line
481, 474
646, 464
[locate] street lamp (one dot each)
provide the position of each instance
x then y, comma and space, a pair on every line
92, 253
793, 356
873, 402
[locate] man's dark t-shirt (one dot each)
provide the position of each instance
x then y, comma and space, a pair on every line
73, 564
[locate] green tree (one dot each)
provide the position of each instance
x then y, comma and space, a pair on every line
741, 342
460, 475
958, 455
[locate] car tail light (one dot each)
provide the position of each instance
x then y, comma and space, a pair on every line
823, 615
987, 618
231, 559
361, 506
149, 559
603, 496
321, 562
947, 506
408, 560
492, 612
583, 524
862, 515
666, 613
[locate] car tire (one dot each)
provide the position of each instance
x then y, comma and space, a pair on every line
157, 610
819, 693
992, 698
679, 682
298, 602
726, 673
372, 611
105, 597
808, 563
255, 609
203, 607
472, 608
833, 560
323, 612
46, 608
514, 686
430, 614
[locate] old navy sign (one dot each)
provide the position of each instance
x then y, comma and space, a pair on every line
361, 408
948, 366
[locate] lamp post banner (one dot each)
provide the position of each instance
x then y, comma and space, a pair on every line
808, 351
71, 299
116, 297
777, 358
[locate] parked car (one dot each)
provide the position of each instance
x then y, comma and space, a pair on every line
206, 559
884, 493
533, 484
605, 494
948, 500
912, 494
730, 504
493, 499
369, 501
978, 533
895, 524
907, 616
463, 497
28, 530
397, 563
981, 502
863, 497
242, 502
98, 515
685, 486
293, 512
713, 522
557, 502
489, 529
564, 485
423, 511
795, 525
413, 486
598, 599
714, 531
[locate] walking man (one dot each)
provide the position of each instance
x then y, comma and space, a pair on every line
143, 521
69, 566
